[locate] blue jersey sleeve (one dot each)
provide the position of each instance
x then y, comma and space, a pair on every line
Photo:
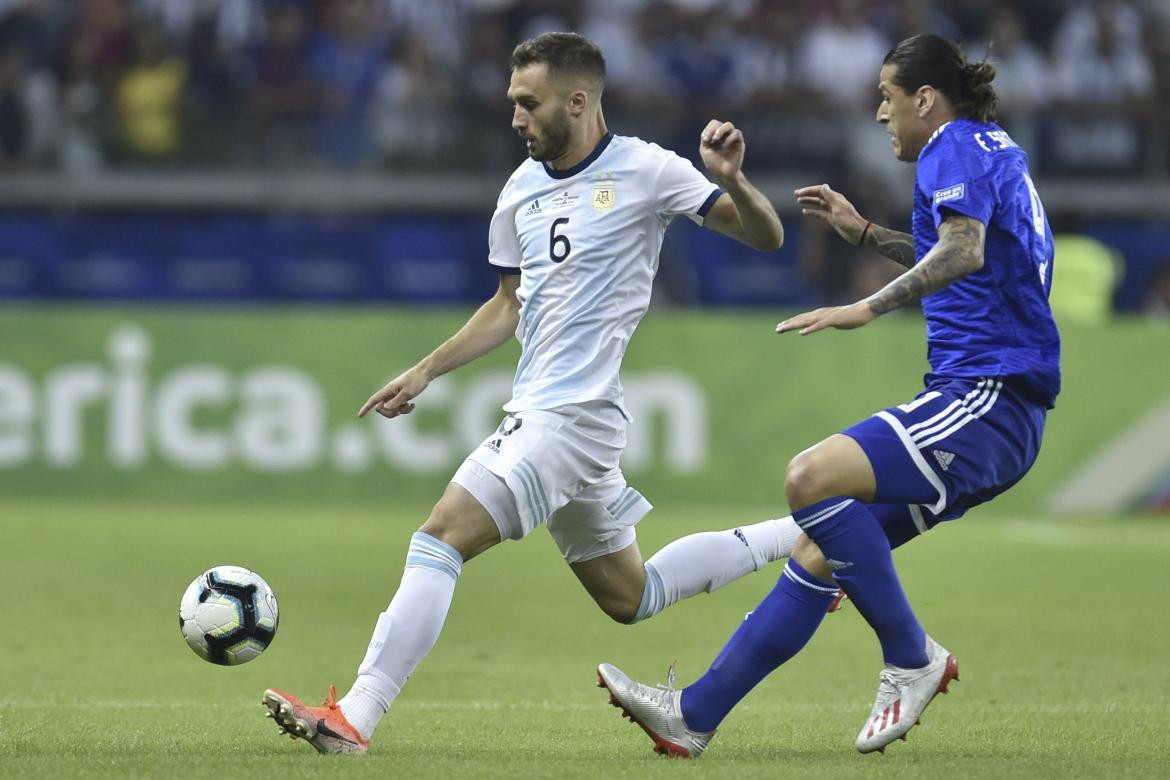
956, 179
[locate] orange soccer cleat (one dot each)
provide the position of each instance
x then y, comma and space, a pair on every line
324, 727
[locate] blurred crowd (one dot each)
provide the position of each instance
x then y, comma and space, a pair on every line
419, 84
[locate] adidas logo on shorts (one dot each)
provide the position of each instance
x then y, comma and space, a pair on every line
944, 459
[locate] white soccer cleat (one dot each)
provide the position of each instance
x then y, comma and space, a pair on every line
902, 696
657, 710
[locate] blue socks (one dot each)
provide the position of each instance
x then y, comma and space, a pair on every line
771, 634
859, 553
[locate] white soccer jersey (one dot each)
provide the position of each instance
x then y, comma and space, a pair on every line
585, 242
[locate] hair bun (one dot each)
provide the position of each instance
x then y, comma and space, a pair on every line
979, 73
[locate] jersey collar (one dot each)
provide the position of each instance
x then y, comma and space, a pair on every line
597, 150
933, 136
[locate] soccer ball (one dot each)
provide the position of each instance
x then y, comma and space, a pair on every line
228, 615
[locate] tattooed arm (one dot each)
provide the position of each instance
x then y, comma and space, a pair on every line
959, 251
834, 209
897, 246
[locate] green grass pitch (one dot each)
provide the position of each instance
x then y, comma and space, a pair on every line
1060, 628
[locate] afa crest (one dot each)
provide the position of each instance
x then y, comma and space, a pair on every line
603, 196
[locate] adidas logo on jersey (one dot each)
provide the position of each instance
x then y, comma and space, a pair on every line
533, 208
944, 459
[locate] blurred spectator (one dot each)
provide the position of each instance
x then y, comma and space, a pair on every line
14, 118
915, 16
841, 55
282, 97
344, 63
1084, 85
1023, 80
413, 106
28, 121
614, 25
149, 97
80, 102
1157, 44
695, 57
1104, 83
442, 26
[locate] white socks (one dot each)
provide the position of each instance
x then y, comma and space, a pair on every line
410, 626
406, 631
707, 561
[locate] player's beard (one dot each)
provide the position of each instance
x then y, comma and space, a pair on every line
556, 138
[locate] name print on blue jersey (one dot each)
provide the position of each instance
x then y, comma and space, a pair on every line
976, 170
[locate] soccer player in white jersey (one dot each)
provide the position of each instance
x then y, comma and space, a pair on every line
575, 238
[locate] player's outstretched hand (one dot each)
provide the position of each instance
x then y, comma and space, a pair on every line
841, 317
394, 399
722, 147
826, 204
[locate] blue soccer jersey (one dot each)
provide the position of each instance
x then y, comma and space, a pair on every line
996, 321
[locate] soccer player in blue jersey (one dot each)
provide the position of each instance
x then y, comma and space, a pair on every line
980, 262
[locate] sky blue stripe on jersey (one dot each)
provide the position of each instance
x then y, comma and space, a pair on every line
710, 201
533, 487
623, 502
612, 508
541, 493
528, 474
628, 502
529, 493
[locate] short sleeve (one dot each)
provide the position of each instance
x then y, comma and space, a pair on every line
682, 189
503, 243
955, 180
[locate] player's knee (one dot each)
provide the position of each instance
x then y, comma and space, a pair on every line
620, 607
442, 523
453, 525
805, 481
623, 613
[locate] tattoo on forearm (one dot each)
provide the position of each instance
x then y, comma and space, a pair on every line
959, 251
897, 246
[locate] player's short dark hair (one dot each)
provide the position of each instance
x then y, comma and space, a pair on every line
565, 54
932, 59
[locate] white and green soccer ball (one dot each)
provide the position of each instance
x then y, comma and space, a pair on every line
228, 615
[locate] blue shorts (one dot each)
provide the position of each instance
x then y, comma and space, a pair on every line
959, 443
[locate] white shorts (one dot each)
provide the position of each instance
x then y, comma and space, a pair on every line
558, 467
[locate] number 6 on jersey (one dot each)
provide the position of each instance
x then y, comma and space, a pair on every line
558, 246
